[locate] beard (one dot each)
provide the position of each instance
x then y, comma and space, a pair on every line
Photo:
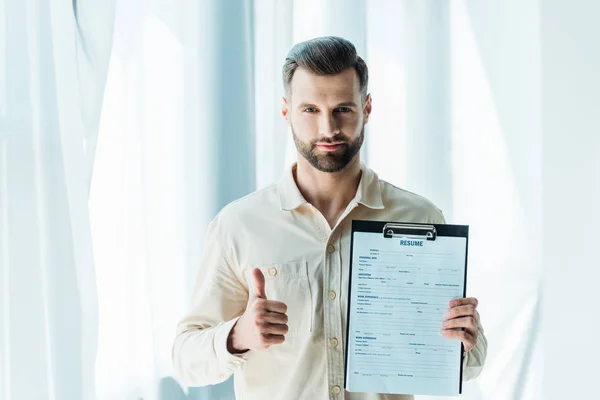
331, 161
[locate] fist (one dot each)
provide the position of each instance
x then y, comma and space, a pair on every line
263, 324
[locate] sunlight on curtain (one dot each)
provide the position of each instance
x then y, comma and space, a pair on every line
497, 173
139, 227
53, 64
386, 147
176, 145
571, 166
273, 29
455, 118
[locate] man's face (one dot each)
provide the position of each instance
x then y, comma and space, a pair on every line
327, 118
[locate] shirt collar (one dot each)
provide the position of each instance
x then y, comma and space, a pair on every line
367, 194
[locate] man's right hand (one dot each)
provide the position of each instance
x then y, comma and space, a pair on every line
263, 324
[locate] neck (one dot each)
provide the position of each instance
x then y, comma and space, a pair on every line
329, 192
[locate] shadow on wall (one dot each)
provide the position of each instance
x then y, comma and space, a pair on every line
169, 389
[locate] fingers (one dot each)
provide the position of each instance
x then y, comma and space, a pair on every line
463, 301
268, 339
259, 282
461, 311
274, 329
457, 334
461, 321
272, 306
465, 337
468, 323
271, 317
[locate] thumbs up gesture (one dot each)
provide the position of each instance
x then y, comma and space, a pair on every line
263, 324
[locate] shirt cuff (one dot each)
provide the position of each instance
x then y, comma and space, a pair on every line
228, 360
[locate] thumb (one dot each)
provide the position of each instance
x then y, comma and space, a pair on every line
259, 283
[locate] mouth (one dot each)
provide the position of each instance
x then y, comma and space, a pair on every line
329, 146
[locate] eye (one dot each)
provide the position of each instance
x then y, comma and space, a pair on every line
344, 110
310, 110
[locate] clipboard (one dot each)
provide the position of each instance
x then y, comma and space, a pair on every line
413, 234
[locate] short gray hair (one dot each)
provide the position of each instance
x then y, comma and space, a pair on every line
328, 55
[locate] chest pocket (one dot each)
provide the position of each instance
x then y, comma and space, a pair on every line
288, 282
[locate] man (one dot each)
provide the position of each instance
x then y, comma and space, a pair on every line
271, 297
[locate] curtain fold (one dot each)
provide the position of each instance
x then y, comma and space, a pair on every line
191, 121
194, 115
177, 143
52, 99
273, 38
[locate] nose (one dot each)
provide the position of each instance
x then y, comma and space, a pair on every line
328, 126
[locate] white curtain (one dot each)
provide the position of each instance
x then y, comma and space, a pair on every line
176, 144
191, 121
571, 216
53, 63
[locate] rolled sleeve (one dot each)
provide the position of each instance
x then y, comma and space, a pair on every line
475, 359
231, 361
200, 354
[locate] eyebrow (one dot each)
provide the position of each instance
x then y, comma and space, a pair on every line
345, 104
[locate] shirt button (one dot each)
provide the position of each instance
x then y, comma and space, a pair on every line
333, 342
221, 376
331, 294
330, 248
272, 271
336, 390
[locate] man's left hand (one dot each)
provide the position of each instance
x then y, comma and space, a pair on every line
461, 321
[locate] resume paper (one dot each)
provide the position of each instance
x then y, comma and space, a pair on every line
399, 293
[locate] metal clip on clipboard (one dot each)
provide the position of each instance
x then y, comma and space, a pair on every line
391, 230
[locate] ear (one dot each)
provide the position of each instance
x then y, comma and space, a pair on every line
367, 108
285, 110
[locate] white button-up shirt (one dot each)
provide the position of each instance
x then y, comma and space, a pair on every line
305, 264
